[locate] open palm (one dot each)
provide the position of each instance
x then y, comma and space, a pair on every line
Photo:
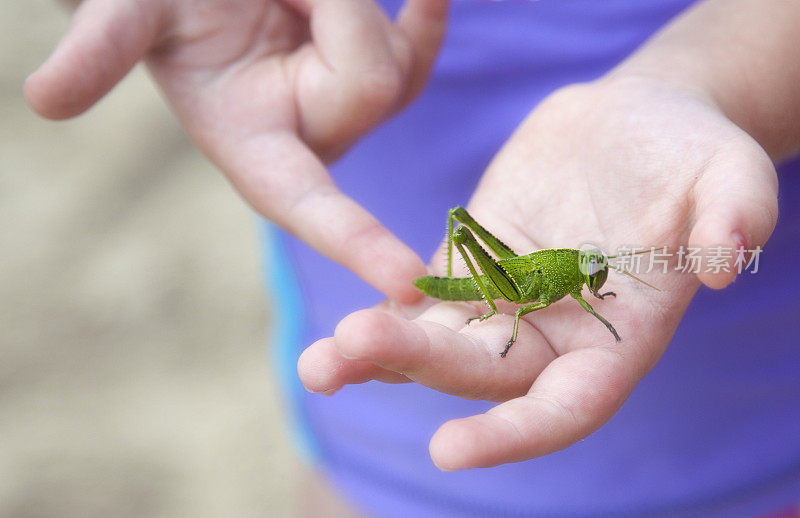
617, 162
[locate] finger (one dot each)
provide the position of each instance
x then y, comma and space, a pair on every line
572, 398
285, 182
432, 351
351, 36
424, 23
104, 41
323, 369
736, 208
355, 82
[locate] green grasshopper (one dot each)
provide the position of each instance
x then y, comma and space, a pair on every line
540, 278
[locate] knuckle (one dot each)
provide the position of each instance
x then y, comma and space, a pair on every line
379, 88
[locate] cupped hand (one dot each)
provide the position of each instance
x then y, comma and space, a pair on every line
621, 161
271, 90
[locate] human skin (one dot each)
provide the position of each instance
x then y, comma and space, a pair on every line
674, 147
271, 91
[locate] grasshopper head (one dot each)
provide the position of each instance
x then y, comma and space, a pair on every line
593, 265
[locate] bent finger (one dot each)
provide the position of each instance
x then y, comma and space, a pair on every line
575, 395
736, 209
440, 352
424, 23
322, 369
104, 41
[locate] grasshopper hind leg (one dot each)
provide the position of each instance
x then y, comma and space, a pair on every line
499, 280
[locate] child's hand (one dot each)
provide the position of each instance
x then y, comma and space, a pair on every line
623, 161
270, 90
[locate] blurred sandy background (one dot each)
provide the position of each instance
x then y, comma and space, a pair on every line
133, 366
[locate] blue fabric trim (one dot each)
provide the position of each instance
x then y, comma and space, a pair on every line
285, 334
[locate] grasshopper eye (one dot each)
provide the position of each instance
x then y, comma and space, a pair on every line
594, 267
597, 279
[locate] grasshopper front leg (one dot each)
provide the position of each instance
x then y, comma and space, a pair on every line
464, 240
577, 296
602, 296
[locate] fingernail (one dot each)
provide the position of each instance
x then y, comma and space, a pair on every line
739, 251
326, 392
738, 241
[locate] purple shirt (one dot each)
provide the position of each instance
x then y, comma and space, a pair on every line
713, 430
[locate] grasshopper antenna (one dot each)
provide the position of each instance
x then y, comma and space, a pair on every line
629, 274
645, 251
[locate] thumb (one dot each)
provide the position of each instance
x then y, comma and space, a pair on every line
736, 208
104, 41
